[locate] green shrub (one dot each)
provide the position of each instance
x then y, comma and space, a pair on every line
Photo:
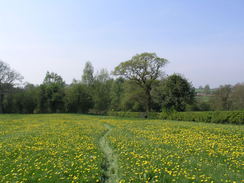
233, 117
152, 115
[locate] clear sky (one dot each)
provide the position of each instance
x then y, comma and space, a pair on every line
202, 39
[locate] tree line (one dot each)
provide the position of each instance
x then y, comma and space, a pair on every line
138, 84
224, 98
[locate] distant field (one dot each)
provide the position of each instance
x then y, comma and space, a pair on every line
80, 148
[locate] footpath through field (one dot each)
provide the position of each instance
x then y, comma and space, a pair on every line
110, 164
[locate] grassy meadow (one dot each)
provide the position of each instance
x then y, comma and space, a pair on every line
72, 148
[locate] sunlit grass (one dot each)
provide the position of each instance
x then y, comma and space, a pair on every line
65, 148
49, 148
157, 151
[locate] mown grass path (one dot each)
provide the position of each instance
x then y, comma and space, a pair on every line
110, 165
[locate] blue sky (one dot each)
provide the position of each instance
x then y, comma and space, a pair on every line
203, 40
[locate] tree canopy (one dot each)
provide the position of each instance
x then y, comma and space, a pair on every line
177, 93
8, 78
88, 71
139, 85
144, 69
51, 94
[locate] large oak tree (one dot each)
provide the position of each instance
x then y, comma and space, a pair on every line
144, 69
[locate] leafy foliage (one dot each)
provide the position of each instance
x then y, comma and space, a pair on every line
117, 91
101, 92
222, 100
78, 98
88, 72
233, 117
8, 79
177, 93
51, 94
143, 69
141, 87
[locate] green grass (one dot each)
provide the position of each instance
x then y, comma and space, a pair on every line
49, 148
157, 151
66, 148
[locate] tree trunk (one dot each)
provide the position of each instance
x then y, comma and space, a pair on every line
1, 103
148, 102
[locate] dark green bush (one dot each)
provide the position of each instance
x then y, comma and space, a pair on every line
152, 115
233, 117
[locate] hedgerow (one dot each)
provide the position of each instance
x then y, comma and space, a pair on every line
232, 117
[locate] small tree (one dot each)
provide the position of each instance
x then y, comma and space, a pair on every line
87, 77
51, 94
237, 97
117, 91
207, 89
177, 93
78, 99
144, 69
133, 98
101, 91
222, 98
8, 78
